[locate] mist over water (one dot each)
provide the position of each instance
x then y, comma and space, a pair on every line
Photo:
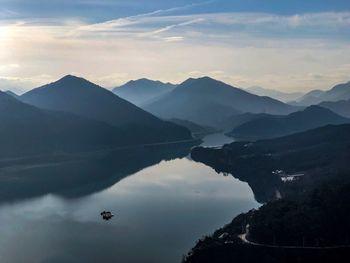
160, 211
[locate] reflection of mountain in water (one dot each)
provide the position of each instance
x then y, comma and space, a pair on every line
75, 176
311, 157
254, 171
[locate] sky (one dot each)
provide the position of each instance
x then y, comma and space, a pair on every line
288, 45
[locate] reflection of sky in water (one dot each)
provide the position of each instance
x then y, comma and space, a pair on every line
160, 212
216, 139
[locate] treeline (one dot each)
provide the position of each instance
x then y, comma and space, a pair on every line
313, 214
320, 218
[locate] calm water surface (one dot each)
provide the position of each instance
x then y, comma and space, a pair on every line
160, 212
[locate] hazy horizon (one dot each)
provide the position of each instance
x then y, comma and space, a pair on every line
20, 91
288, 46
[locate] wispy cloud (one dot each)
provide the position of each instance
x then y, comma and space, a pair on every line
234, 47
138, 19
258, 24
171, 10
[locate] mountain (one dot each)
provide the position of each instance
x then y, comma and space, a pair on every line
316, 154
196, 129
308, 99
270, 126
311, 210
9, 92
143, 90
207, 102
317, 219
338, 92
81, 97
237, 120
341, 107
278, 95
27, 130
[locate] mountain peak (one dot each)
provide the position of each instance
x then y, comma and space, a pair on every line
202, 80
69, 83
205, 78
141, 91
143, 81
71, 78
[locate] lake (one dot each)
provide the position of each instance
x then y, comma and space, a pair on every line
160, 211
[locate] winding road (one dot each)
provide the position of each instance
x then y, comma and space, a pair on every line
244, 239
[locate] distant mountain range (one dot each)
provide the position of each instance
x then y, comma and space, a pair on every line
196, 105
143, 91
75, 115
81, 97
208, 102
270, 126
338, 92
278, 95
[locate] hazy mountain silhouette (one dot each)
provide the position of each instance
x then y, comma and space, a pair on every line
308, 99
341, 107
207, 102
270, 126
84, 98
338, 92
275, 94
143, 90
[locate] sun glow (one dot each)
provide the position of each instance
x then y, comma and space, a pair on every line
4, 30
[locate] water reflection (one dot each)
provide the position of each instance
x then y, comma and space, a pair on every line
79, 175
160, 212
216, 139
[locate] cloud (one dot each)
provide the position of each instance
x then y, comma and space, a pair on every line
244, 49
221, 25
140, 18
170, 27
8, 67
173, 39
20, 85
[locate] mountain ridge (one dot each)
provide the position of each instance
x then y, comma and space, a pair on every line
207, 101
338, 92
84, 98
276, 94
270, 126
